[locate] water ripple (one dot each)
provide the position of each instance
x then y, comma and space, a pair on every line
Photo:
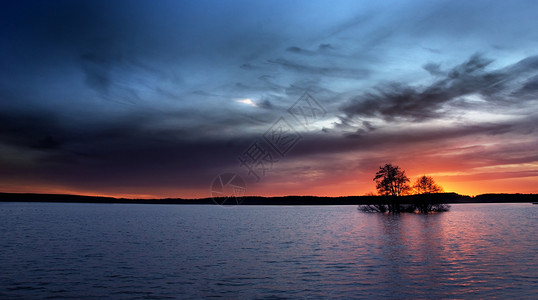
75, 251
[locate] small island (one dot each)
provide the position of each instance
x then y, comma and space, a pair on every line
392, 184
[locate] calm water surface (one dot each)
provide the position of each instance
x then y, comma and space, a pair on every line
125, 251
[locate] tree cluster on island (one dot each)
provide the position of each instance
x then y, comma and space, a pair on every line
393, 184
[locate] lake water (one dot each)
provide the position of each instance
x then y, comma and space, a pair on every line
124, 251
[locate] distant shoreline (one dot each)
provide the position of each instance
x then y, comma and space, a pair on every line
450, 198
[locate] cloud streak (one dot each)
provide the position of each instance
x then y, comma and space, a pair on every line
395, 100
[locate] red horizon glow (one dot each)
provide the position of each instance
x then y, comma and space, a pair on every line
334, 187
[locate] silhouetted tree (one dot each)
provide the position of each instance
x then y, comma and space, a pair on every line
391, 181
426, 185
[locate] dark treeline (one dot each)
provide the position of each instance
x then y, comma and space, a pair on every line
63, 198
502, 198
287, 200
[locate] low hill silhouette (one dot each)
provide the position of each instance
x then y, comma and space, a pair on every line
285, 200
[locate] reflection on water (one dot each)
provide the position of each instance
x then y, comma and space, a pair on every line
486, 250
156, 252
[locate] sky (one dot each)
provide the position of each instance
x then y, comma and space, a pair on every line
160, 98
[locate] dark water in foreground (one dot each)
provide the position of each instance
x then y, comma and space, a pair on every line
127, 251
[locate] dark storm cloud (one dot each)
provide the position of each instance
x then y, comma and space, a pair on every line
29, 130
116, 153
399, 100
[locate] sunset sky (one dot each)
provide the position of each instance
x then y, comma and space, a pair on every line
157, 98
